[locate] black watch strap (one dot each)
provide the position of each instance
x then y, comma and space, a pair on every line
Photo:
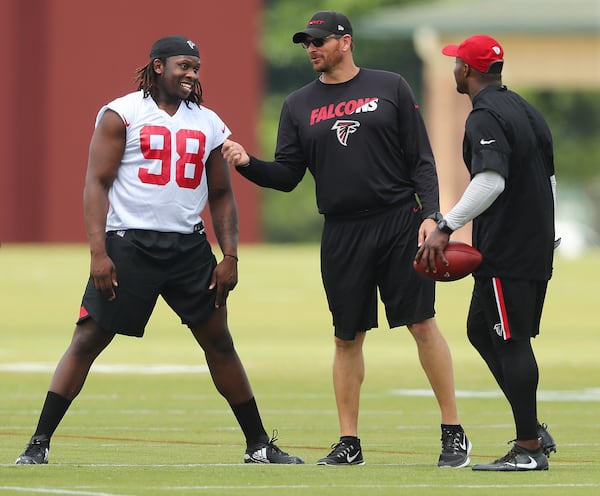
437, 216
444, 227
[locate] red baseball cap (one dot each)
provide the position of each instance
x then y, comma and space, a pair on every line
479, 51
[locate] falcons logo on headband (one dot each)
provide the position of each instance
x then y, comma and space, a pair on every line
344, 129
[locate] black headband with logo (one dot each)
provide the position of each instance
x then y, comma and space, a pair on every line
173, 45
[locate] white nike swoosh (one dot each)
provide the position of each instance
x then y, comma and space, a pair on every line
530, 465
486, 142
350, 459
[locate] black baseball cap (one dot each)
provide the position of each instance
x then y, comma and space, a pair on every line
323, 24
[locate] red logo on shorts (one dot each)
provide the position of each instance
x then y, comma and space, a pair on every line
83, 312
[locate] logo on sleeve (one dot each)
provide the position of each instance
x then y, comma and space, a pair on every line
344, 129
486, 142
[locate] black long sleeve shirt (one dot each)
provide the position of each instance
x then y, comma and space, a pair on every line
364, 141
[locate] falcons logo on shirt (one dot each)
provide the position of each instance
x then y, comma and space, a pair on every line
343, 129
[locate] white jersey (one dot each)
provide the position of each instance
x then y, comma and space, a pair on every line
161, 181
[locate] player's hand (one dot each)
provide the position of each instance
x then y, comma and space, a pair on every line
224, 279
427, 226
104, 275
234, 153
431, 248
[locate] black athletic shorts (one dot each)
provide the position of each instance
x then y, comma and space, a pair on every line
176, 266
506, 308
361, 254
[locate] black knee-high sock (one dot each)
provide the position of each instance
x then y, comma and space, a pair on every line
53, 411
249, 419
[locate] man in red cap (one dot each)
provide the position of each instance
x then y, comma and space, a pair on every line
508, 151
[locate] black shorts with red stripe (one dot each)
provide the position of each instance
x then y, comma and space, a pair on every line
506, 308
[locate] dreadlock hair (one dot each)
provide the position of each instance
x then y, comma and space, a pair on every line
146, 78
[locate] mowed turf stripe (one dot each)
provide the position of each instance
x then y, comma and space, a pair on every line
138, 369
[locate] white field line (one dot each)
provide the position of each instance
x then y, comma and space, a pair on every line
582, 395
246, 488
48, 490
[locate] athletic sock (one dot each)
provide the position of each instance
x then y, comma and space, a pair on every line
452, 427
250, 422
53, 411
349, 439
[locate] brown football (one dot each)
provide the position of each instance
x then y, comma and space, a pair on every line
462, 258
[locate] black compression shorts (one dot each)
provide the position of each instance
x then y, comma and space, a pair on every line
176, 266
374, 251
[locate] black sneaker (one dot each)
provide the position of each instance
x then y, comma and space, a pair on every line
546, 440
36, 451
270, 453
517, 459
346, 452
455, 449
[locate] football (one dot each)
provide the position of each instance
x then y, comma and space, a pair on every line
463, 260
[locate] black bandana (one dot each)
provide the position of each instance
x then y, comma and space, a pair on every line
173, 45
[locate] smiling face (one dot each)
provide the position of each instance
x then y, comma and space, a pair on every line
177, 77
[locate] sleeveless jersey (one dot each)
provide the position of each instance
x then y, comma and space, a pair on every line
161, 181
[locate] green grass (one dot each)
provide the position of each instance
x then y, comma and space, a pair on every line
134, 434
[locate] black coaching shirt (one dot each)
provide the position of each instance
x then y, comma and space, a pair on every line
364, 141
515, 235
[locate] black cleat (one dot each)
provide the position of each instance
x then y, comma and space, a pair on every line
270, 453
518, 459
346, 452
546, 440
36, 451
455, 449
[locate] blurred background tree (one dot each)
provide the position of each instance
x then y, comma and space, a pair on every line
574, 117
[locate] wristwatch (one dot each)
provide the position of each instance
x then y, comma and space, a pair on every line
437, 216
444, 227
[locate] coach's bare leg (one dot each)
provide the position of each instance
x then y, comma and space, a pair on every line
88, 341
436, 361
348, 376
225, 366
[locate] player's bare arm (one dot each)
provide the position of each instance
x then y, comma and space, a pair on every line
234, 153
106, 150
223, 211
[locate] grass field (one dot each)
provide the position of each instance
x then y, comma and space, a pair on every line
149, 421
